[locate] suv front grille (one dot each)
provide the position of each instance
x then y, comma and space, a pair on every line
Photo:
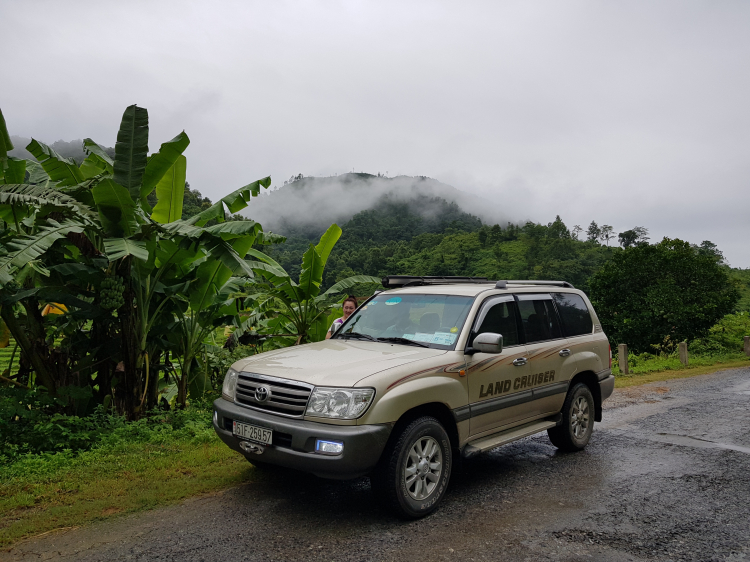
287, 398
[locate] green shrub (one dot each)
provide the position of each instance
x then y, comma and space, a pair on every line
29, 425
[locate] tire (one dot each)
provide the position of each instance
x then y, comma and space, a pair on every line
577, 424
413, 474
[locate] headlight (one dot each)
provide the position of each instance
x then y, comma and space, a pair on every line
230, 382
341, 403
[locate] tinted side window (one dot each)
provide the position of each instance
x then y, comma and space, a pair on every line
501, 319
539, 320
574, 313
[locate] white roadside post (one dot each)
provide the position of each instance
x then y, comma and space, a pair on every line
622, 358
684, 358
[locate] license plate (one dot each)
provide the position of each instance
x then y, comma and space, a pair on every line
252, 432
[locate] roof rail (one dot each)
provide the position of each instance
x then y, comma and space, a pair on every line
394, 281
504, 284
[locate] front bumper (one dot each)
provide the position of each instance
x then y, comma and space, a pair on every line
294, 442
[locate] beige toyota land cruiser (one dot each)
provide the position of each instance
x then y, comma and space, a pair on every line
432, 369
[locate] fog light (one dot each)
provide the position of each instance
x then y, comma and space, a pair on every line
216, 418
329, 447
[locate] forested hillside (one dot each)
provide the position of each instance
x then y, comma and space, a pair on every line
432, 236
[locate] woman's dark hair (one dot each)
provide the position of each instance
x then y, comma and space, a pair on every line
351, 298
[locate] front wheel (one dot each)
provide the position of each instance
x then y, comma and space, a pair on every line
413, 474
574, 432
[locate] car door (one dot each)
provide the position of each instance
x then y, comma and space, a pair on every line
550, 362
493, 400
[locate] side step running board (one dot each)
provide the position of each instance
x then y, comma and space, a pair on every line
509, 435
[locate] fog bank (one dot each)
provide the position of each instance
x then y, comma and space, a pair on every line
314, 203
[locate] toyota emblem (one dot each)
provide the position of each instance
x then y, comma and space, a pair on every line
262, 394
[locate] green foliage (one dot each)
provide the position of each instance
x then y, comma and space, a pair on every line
644, 363
31, 425
647, 296
742, 277
285, 307
726, 336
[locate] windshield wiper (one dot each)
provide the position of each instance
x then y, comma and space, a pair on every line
357, 335
404, 341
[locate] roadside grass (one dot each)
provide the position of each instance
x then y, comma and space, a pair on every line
661, 368
42, 493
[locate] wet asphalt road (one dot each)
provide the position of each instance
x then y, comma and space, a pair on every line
665, 477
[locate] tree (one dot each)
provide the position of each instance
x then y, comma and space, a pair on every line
708, 248
634, 236
606, 233
576, 231
593, 232
647, 295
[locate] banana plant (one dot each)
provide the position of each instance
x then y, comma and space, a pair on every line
299, 307
57, 214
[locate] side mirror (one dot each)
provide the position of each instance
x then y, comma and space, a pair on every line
488, 343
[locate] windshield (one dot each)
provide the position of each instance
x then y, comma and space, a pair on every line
427, 320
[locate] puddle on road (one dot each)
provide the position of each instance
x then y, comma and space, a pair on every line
688, 441
742, 388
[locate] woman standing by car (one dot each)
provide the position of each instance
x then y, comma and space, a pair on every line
350, 305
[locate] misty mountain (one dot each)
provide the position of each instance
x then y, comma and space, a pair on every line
307, 206
67, 149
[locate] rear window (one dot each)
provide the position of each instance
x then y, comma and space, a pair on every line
574, 313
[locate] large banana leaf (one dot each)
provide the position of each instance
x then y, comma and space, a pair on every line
224, 252
92, 148
345, 284
117, 248
235, 201
210, 277
266, 259
170, 252
161, 162
328, 241
92, 166
311, 275
5, 144
314, 262
116, 208
234, 229
183, 228
23, 197
131, 150
97, 162
15, 171
37, 175
170, 191
269, 238
29, 248
213, 274
59, 169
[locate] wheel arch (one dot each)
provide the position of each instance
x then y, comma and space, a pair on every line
437, 410
590, 379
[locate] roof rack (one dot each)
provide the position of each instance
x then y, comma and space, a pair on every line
504, 284
396, 281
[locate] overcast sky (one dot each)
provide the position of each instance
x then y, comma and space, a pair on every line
627, 113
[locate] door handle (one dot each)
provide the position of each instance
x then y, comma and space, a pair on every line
520, 361
564, 352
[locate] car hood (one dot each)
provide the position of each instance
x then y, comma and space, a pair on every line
333, 362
